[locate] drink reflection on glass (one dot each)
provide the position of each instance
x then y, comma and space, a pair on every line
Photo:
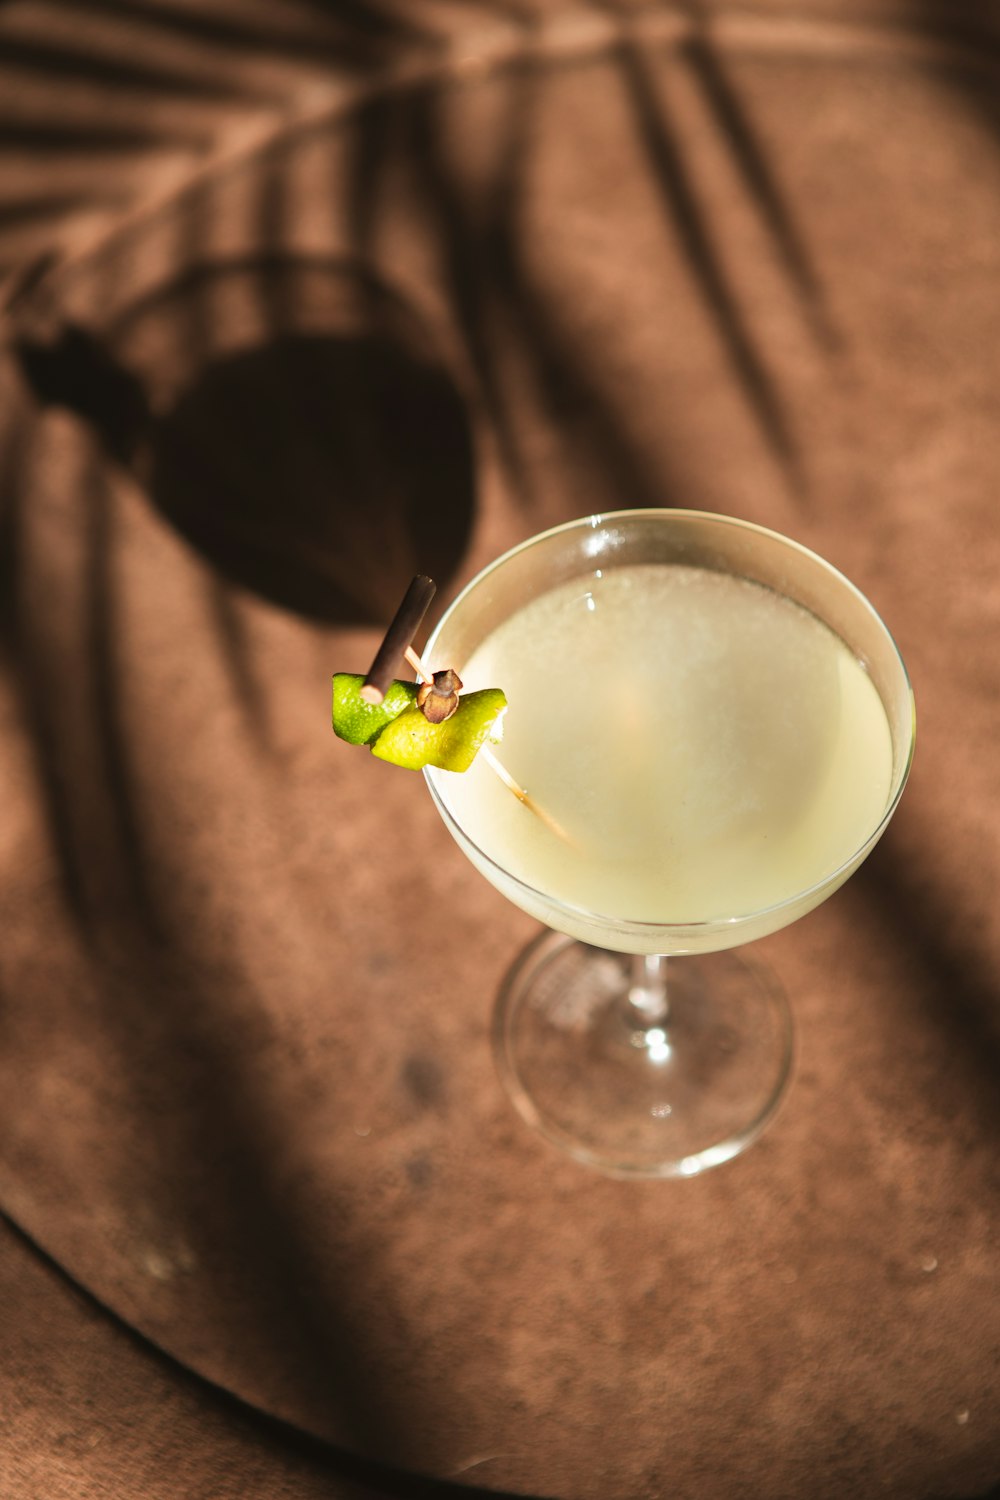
718, 727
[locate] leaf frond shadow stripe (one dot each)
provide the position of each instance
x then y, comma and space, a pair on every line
466, 275
17, 212
561, 377
273, 37
751, 159
126, 842
54, 61
232, 637
960, 994
370, 18
681, 205
31, 678
48, 138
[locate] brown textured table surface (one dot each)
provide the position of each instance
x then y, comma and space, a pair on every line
303, 299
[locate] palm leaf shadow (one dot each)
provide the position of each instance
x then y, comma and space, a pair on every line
17, 640
165, 1015
54, 60
115, 858
467, 270
679, 198
480, 240
751, 158
354, 36
972, 29
562, 378
960, 995
75, 139
15, 212
126, 851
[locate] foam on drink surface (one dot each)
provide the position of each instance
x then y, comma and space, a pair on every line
712, 747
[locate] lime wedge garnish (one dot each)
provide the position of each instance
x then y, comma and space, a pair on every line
412, 741
361, 723
397, 730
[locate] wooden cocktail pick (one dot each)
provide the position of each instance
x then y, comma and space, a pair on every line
397, 644
398, 637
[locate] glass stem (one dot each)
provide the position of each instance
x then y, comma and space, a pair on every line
647, 1000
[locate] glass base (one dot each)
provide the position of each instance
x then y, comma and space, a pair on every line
636, 1097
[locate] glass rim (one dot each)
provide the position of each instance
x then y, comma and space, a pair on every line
681, 928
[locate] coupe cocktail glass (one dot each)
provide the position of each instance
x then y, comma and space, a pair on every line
721, 727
